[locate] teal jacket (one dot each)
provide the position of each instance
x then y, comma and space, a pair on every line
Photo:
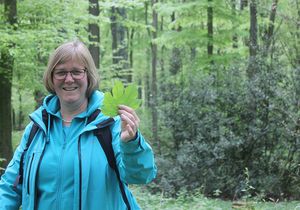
66, 168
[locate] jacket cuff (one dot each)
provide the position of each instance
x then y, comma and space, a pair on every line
131, 145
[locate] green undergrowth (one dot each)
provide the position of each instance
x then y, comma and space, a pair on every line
148, 201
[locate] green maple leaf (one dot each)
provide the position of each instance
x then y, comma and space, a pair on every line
120, 96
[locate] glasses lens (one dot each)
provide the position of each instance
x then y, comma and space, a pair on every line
76, 74
60, 75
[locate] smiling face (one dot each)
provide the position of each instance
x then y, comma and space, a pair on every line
74, 51
69, 91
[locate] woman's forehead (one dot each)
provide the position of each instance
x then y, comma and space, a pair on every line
71, 63
71, 58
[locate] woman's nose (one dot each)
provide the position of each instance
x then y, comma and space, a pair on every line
69, 77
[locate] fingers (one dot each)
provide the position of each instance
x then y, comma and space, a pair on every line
130, 114
130, 122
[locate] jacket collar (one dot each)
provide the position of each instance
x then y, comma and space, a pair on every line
52, 106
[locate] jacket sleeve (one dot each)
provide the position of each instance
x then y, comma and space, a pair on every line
10, 197
135, 158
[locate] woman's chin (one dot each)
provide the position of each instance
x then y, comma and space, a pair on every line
70, 100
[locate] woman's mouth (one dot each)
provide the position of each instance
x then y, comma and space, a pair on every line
69, 88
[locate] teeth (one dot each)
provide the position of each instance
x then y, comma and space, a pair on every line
70, 89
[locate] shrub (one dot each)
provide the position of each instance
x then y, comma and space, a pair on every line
220, 127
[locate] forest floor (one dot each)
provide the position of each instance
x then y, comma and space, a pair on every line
149, 201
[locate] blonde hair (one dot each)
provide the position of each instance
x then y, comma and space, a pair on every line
68, 51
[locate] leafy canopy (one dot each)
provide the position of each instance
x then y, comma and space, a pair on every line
120, 96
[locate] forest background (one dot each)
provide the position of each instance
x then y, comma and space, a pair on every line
219, 81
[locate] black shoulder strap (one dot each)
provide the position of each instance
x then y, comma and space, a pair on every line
104, 137
33, 131
93, 116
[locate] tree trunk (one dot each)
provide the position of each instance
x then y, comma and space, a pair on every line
253, 47
147, 89
114, 35
268, 35
162, 75
210, 46
21, 114
175, 60
6, 71
6, 65
267, 38
94, 33
119, 45
131, 36
234, 37
154, 79
253, 83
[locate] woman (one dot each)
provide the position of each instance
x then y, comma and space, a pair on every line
65, 167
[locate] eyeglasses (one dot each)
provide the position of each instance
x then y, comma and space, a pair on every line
61, 74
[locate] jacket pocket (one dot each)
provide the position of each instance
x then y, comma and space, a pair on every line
28, 173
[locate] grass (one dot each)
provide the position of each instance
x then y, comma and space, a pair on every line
149, 201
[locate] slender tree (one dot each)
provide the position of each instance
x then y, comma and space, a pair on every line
147, 88
6, 71
119, 44
176, 60
131, 39
175, 67
210, 46
266, 86
253, 46
234, 37
162, 57
154, 79
253, 84
94, 32
269, 32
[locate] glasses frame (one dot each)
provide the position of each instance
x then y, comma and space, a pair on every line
69, 72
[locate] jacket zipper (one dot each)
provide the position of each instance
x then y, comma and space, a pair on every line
109, 122
80, 171
59, 193
35, 185
29, 170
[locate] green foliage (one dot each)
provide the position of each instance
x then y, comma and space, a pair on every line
120, 96
197, 201
41, 27
215, 136
220, 121
188, 30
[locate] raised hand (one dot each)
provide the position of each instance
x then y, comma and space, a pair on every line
130, 123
